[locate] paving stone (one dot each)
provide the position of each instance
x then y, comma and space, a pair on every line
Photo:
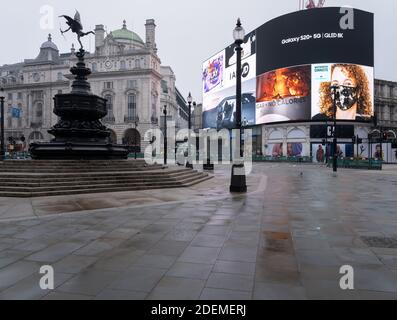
233, 267
55, 252
15, 272
190, 270
206, 240
98, 247
199, 255
155, 261
169, 248
138, 279
8, 257
74, 263
230, 281
29, 288
118, 259
89, 282
173, 288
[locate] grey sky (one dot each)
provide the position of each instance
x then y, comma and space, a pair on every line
188, 32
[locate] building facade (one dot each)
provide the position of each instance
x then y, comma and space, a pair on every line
386, 104
126, 70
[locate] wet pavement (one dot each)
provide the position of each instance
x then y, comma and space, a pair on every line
286, 239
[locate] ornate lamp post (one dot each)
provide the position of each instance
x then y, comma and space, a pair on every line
2, 151
335, 141
189, 101
238, 181
165, 134
136, 122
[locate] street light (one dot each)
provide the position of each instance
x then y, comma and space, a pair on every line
165, 134
238, 182
2, 151
335, 141
136, 122
189, 101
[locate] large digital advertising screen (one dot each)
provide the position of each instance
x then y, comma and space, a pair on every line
288, 67
219, 90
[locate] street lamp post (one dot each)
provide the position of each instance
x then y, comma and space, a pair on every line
335, 141
136, 122
2, 151
189, 101
238, 181
165, 135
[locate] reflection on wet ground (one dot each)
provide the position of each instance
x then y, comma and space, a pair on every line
286, 239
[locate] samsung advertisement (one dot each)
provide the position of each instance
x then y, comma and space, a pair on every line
289, 65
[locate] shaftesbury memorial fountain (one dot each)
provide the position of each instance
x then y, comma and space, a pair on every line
79, 133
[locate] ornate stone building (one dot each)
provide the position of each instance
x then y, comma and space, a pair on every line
126, 70
386, 104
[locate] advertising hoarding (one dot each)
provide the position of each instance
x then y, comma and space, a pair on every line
296, 58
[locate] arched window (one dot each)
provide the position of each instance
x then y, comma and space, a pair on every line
132, 106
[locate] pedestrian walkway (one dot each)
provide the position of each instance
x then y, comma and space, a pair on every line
285, 239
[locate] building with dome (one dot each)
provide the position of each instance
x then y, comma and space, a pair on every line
126, 70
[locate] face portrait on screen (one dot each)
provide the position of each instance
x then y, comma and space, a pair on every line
352, 95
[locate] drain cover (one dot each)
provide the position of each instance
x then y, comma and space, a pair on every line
380, 242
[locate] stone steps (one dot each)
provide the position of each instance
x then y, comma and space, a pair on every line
36, 167
53, 178
64, 177
5, 185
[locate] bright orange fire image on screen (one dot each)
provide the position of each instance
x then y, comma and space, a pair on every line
284, 83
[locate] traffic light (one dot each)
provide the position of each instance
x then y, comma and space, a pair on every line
354, 139
324, 142
359, 140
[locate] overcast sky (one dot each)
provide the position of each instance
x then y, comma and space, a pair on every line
188, 32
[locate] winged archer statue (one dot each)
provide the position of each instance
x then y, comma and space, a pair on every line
76, 26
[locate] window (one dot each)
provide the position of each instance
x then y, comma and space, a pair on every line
39, 111
10, 96
109, 105
137, 63
60, 76
94, 67
131, 106
122, 65
38, 95
19, 95
131, 84
108, 85
164, 86
154, 105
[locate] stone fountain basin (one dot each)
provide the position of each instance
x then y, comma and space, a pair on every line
84, 106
